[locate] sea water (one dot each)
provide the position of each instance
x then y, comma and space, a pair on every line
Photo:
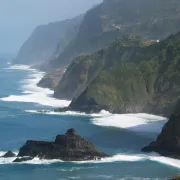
120, 136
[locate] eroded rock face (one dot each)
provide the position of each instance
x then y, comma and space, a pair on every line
51, 79
168, 142
67, 147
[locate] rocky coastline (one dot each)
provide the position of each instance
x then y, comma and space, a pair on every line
67, 147
168, 142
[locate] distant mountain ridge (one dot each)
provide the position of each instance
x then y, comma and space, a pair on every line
155, 19
47, 40
151, 20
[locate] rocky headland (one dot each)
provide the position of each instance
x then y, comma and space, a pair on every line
168, 142
128, 76
67, 147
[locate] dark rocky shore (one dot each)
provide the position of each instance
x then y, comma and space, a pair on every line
168, 142
67, 147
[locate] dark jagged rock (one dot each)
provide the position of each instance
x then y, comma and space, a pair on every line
68, 147
9, 154
168, 142
17, 160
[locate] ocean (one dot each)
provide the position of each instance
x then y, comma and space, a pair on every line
121, 136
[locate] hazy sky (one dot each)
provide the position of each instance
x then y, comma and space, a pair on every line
18, 18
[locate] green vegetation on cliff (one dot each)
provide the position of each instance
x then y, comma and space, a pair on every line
132, 77
155, 19
85, 67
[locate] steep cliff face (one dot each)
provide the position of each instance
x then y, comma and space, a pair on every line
51, 79
86, 67
155, 19
168, 142
47, 41
112, 19
83, 70
132, 77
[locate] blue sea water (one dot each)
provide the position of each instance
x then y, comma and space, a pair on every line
121, 136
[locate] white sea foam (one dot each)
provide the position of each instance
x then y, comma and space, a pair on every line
66, 113
19, 67
165, 160
31, 92
56, 113
6, 160
116, 158
135, 122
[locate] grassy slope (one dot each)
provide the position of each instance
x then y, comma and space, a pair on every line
137, 79
85, 67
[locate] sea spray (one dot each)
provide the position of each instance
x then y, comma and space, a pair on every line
31, 92
116, 158
134, 122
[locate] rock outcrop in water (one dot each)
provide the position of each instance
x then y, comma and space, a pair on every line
168, 142
68, 147
9, 154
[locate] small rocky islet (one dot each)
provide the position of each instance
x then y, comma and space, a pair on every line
9, 154
67, 147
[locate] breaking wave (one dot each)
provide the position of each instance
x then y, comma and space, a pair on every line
19, 67
31, 92
116, 158
66, 113
6, 160
134, 122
